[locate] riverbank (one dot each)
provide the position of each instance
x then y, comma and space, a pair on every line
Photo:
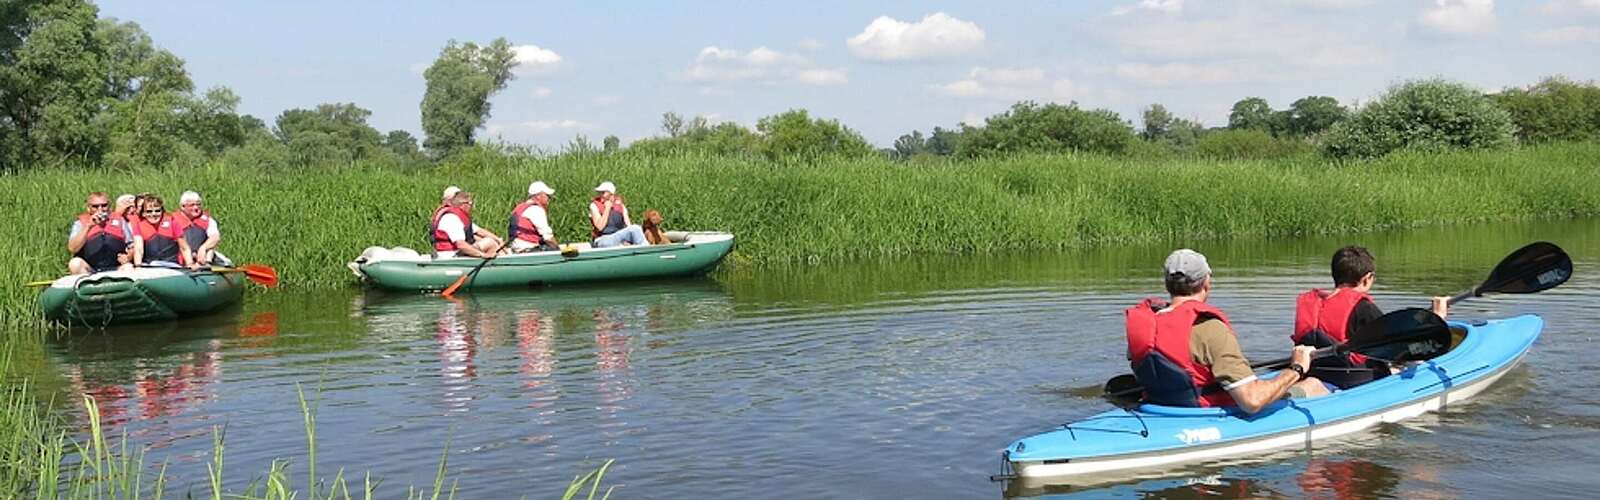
308, 223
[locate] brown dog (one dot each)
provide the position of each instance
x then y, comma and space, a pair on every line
653, 232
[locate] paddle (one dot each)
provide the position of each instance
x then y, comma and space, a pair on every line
1534, 268
262, 274
1403, 335
450, 291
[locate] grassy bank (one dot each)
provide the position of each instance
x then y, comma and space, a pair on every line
308, 223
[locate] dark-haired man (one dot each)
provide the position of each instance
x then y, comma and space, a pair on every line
1323, 318
1184, 351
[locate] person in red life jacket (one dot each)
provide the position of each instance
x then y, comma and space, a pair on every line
608, 218
529, 227
98, 240
1323, 318
1184, 351
157, 237
123, 208
453, 232
199, 231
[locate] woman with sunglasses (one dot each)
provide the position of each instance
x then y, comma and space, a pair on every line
157, 241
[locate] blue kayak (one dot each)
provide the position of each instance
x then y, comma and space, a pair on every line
1154, 436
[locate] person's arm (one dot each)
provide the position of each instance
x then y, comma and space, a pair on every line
625, 220
187, 252
541, 222
1214, 345
598, 215
213, 236
1259, 393
76, 237
138, 250
457, 230
1441, 307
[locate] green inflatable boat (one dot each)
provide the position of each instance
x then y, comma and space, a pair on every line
403, 269
144, 294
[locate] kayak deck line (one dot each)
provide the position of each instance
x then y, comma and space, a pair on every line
1172, 435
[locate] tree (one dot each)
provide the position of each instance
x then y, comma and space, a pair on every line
794, 134
1252, 113
331, 132
1157, 122
1424, 115
1309, 116
459, 84
910, 145
1049, 128
672, 124
1555, 109
51, 85
401, 143
943, 142
611, 144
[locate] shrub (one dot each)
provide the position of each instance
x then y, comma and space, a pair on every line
1427, 114
1555, 109
1239, 144
1031, 128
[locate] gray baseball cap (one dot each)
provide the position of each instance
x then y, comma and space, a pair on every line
1187, 263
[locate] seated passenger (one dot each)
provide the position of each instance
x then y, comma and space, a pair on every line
1184, 352
453, 232
1323, 318
199, 231
608, 217
529, 228
98, 240
157, 240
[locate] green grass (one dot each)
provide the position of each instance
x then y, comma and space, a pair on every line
308, 223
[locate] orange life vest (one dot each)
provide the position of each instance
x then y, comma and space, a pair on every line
1158, 350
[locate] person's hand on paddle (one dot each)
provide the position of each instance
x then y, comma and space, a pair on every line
1302, 356
1441, 307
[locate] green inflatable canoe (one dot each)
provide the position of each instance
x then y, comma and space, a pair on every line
144, 294
403, 269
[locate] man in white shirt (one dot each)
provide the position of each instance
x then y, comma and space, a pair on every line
529, 227
200, 229
453, 231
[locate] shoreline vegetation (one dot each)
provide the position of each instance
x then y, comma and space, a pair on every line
308, 224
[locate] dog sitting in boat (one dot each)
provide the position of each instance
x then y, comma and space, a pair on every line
653, 232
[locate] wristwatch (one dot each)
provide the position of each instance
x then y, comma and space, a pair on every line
1301, 372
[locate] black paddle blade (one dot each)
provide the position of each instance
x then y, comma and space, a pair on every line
1534, 268
1404, 335
1123, 387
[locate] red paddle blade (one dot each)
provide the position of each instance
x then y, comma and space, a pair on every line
262, 274
450, 291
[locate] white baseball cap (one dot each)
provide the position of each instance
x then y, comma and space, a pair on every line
539, 187
126, 198
451, 192
606, 187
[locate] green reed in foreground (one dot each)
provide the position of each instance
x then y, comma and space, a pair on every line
309, 223
39, 460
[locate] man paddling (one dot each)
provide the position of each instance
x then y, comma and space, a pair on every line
1323, 318
1185, 353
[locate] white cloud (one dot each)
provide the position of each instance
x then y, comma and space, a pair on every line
936, 36
991, 82
1162, 6
959, 88
538, 130
541, 92
1568, 35
810, 44
761, 65
533, 60
1459, 17
606, 100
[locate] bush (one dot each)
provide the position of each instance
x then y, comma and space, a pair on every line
1240, 144
1031, 128
1428, 115
1555, 109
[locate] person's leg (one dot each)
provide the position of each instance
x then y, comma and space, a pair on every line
1308, 388
607, 241
78, 266
487, 245
633, 235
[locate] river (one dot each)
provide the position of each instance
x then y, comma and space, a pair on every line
875, 379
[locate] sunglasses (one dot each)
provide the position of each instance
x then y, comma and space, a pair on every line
99, 205
153, 211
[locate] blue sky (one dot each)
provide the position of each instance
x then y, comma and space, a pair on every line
884, 68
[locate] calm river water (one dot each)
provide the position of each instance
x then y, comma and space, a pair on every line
892, 379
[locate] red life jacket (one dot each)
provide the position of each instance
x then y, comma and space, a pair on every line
160, 240
1322, 318
614, 223
441, 239
102, 242
195, 229
522, 227
1158, 349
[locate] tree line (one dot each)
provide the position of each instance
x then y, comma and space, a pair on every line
80, 90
